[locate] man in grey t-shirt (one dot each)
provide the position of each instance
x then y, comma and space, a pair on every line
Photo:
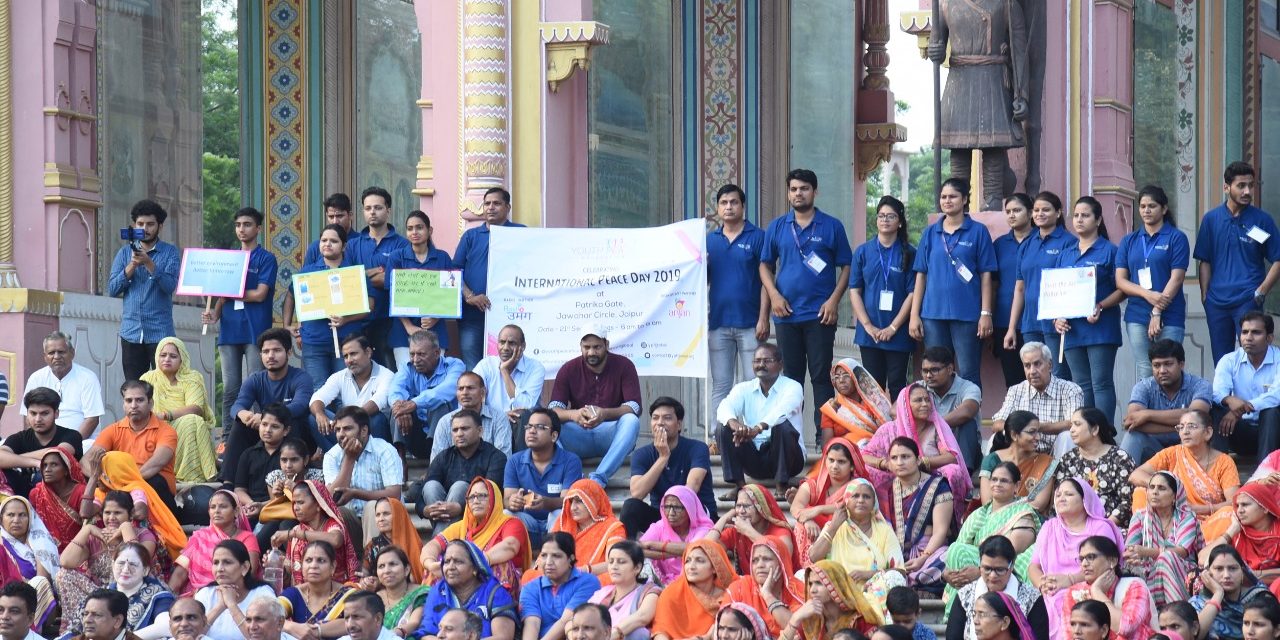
957, 399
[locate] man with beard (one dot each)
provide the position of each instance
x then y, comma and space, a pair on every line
494, 426
597, 398
759, 434
277, 382
1157, 403
144, 273
512, 381
1234, 243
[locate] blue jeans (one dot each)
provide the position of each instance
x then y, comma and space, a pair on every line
613, 440
1050, 340
471, 339
731, 350
1140, 343
319, 363
962, 338
1094, 370
967, 436
1141, 446
536, 527
379, 427
238, 362
1224, 326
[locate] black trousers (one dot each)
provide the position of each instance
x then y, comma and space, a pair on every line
241, 437
1010, 361
161, 487
889, 368
136, 359
808, 346
780, 458
637, 515
378, 332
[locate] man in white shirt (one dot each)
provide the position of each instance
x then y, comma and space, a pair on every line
1245, 394
79, 387
264, 620
364, 383
363, 613
513, 382
18, 612
758, 434
496, 429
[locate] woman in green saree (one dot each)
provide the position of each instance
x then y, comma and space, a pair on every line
1006, 515
402, 598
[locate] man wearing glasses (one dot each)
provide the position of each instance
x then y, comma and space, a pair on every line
957, 399
995, 564
759, 435
1158, 402
536, 477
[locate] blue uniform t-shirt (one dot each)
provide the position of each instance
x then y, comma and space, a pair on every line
242, 326
564, 469
1102, 257
1006, 248
948, 296
472, 256
1035, 255
316, 332
437, 259
733, 278
787, 247
1162, 253
363, 249
877, 269
1238, 262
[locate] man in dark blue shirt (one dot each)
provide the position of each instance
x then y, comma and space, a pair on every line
277, 382
374, 248
240, 323
472, 256
805, 268
671, 460
1234, 243
537, 477
337, 210
145, 274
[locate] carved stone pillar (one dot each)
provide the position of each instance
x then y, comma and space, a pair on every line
486, 100
875, 32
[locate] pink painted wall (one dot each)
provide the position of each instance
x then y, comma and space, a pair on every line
564, 134
1056, 136
441, 124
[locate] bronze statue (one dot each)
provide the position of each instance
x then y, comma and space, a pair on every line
985, 100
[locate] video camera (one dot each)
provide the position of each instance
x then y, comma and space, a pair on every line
133, 235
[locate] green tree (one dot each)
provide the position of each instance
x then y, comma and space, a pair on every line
220, 165
221, 199
920, 201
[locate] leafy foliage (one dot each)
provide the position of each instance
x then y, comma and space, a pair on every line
220, 163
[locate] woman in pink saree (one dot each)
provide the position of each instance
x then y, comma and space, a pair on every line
919, 420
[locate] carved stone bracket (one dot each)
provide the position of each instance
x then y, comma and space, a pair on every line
920, 25
569, 47
875, 145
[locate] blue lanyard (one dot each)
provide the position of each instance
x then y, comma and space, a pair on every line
1146, 251
796, 237
885, 263
947, 247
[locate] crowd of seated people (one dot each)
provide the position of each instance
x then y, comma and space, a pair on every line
310, 523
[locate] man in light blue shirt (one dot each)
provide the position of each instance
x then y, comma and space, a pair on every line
1245, 392
513, 382
759, 436
424, 391
145, 274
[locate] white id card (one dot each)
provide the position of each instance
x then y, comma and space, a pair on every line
815, 263
554, 489
886, 301
1144, 278
238, 306
965, 273
1258, 235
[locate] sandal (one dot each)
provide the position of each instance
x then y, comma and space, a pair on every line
729, 496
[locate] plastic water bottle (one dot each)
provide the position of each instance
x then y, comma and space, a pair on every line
273, 570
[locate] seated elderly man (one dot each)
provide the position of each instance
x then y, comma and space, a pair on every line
423, 391
361, 469
513, 382
1050, 398
363, 613
264, 620
78, 387
186, 620
460, 624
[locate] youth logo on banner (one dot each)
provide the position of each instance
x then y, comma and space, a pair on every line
646, 287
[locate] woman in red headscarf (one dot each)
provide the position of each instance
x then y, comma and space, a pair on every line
823, 492
56, 498
755, 517
318, 519
1255, 529
770, 585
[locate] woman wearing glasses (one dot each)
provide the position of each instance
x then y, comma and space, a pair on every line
501, 537
996, 568
149, 598
1209, 475
683, 521
882, 282
1132, 608
1006, 515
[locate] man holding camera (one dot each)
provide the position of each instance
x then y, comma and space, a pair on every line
144, 273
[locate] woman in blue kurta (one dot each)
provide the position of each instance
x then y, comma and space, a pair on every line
1017, 212
1039, 252
318, 358
881, 280
951, 306
1151, 264
420, 254
1091, 342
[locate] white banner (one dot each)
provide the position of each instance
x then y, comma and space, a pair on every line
1067, 293
646, 287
